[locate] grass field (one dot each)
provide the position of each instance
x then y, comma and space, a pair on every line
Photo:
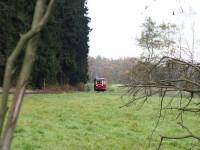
92, 121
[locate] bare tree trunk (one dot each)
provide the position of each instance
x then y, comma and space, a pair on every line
32, 37
8, 75
24, 74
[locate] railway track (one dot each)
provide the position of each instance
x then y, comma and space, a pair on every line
37, 92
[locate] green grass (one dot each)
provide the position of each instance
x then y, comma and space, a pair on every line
92, 121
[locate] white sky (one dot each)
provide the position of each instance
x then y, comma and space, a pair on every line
116, 23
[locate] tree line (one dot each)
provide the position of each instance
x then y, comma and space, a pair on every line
62, 59
114, 70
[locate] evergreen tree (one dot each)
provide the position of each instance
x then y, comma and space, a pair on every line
62, 59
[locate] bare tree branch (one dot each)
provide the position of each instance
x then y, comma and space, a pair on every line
189, 135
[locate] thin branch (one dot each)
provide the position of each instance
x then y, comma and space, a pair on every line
176, 138
196, 110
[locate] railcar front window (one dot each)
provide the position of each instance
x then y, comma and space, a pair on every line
99, 81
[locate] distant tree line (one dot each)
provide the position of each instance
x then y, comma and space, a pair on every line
114, 70
63, 57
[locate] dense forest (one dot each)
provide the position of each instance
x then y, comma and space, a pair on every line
114, 70
63, 51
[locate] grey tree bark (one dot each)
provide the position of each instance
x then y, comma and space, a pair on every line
30, 41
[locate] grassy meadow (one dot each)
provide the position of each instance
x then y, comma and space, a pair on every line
93, 121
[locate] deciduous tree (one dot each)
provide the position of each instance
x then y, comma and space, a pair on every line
28, 42
175, 79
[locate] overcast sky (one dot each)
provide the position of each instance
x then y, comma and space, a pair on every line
116, 23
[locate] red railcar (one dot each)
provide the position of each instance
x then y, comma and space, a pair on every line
100, 84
